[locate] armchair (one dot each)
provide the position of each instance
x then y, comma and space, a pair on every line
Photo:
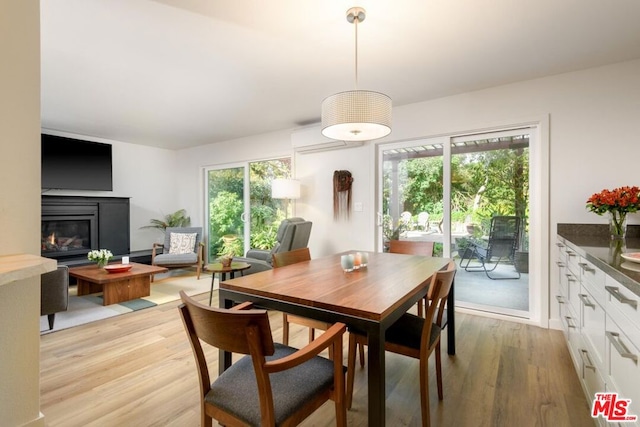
293, 233
180, 249
54, 293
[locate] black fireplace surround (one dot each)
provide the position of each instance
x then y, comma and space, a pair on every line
74, 225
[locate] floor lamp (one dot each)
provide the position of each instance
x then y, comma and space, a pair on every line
287, 189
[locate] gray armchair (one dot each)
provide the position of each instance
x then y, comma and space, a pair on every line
54, 293
293, 233
179, 256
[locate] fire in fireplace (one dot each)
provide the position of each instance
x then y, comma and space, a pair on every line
66, 235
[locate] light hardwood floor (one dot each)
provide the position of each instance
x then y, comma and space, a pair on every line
138, 370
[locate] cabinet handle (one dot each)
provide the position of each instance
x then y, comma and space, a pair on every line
585, 267
622, 349
570, 277
560, 264
570, 322
560, 245
585, 300
569, 253
586, 360
560, 299
615, 292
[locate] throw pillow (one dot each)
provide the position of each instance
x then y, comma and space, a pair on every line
182, 243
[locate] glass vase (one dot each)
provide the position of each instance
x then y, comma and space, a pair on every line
102, 263
617, 225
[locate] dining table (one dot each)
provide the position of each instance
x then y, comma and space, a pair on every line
369, 299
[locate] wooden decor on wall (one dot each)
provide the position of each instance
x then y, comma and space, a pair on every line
342, 181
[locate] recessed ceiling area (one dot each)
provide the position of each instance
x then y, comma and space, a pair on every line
182, 73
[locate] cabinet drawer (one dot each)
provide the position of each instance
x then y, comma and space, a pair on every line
571, 327
574, 290
593, 327
623, 307
590, 374
594, 279
572, 259
624, 365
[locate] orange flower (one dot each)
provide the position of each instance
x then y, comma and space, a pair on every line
622, 200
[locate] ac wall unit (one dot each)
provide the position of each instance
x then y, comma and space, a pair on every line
310, 140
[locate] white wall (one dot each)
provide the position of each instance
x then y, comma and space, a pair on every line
20, 210
147, 175
593, 145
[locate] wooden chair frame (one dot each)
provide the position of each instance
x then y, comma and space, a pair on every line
439, 288
247, 331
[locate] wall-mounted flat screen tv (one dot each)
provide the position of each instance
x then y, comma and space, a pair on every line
74, 164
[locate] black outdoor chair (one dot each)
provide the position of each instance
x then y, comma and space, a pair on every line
502, 244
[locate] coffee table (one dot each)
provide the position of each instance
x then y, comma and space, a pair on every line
116, 287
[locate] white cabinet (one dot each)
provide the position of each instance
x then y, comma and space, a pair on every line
601, 322
623, 373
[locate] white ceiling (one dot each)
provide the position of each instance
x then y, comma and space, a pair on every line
181, 73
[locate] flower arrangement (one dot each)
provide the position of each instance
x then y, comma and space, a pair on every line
101, 256
618, 203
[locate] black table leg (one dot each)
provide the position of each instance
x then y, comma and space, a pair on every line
451, 327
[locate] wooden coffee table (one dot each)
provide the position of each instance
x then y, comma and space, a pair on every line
116, 287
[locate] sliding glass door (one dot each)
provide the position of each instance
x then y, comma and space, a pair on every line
239, 205
446, 190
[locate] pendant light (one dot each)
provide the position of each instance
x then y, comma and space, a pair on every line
356, 115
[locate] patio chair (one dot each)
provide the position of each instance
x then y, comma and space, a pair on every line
423, 221
501, 244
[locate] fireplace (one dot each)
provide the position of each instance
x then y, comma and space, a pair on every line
73, 225
69, 232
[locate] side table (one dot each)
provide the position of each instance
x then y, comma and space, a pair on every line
217, 267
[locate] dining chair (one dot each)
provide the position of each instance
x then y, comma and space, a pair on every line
272, 384
412, 247
413, 336
282, 259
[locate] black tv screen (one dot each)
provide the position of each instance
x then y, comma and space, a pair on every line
74, 164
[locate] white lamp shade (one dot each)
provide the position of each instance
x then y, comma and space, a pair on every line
356, 115
285, 189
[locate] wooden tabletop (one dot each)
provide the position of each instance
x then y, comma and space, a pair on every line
95, 274
373, 292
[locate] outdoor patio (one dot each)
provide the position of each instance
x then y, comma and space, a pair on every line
476, 289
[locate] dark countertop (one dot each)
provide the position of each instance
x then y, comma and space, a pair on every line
592, 242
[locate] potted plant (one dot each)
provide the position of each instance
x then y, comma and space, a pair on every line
228, 250
177, 219
521, 256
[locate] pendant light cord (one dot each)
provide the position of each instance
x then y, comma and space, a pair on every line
356, 24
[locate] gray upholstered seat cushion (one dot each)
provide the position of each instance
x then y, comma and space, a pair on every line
236, 390
176, 259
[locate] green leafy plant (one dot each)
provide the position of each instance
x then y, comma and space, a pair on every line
230, 247
177, 219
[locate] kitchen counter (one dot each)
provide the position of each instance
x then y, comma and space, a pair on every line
592, 242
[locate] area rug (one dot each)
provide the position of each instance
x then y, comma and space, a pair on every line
89, 308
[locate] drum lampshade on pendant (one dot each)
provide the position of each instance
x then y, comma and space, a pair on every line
356, 115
